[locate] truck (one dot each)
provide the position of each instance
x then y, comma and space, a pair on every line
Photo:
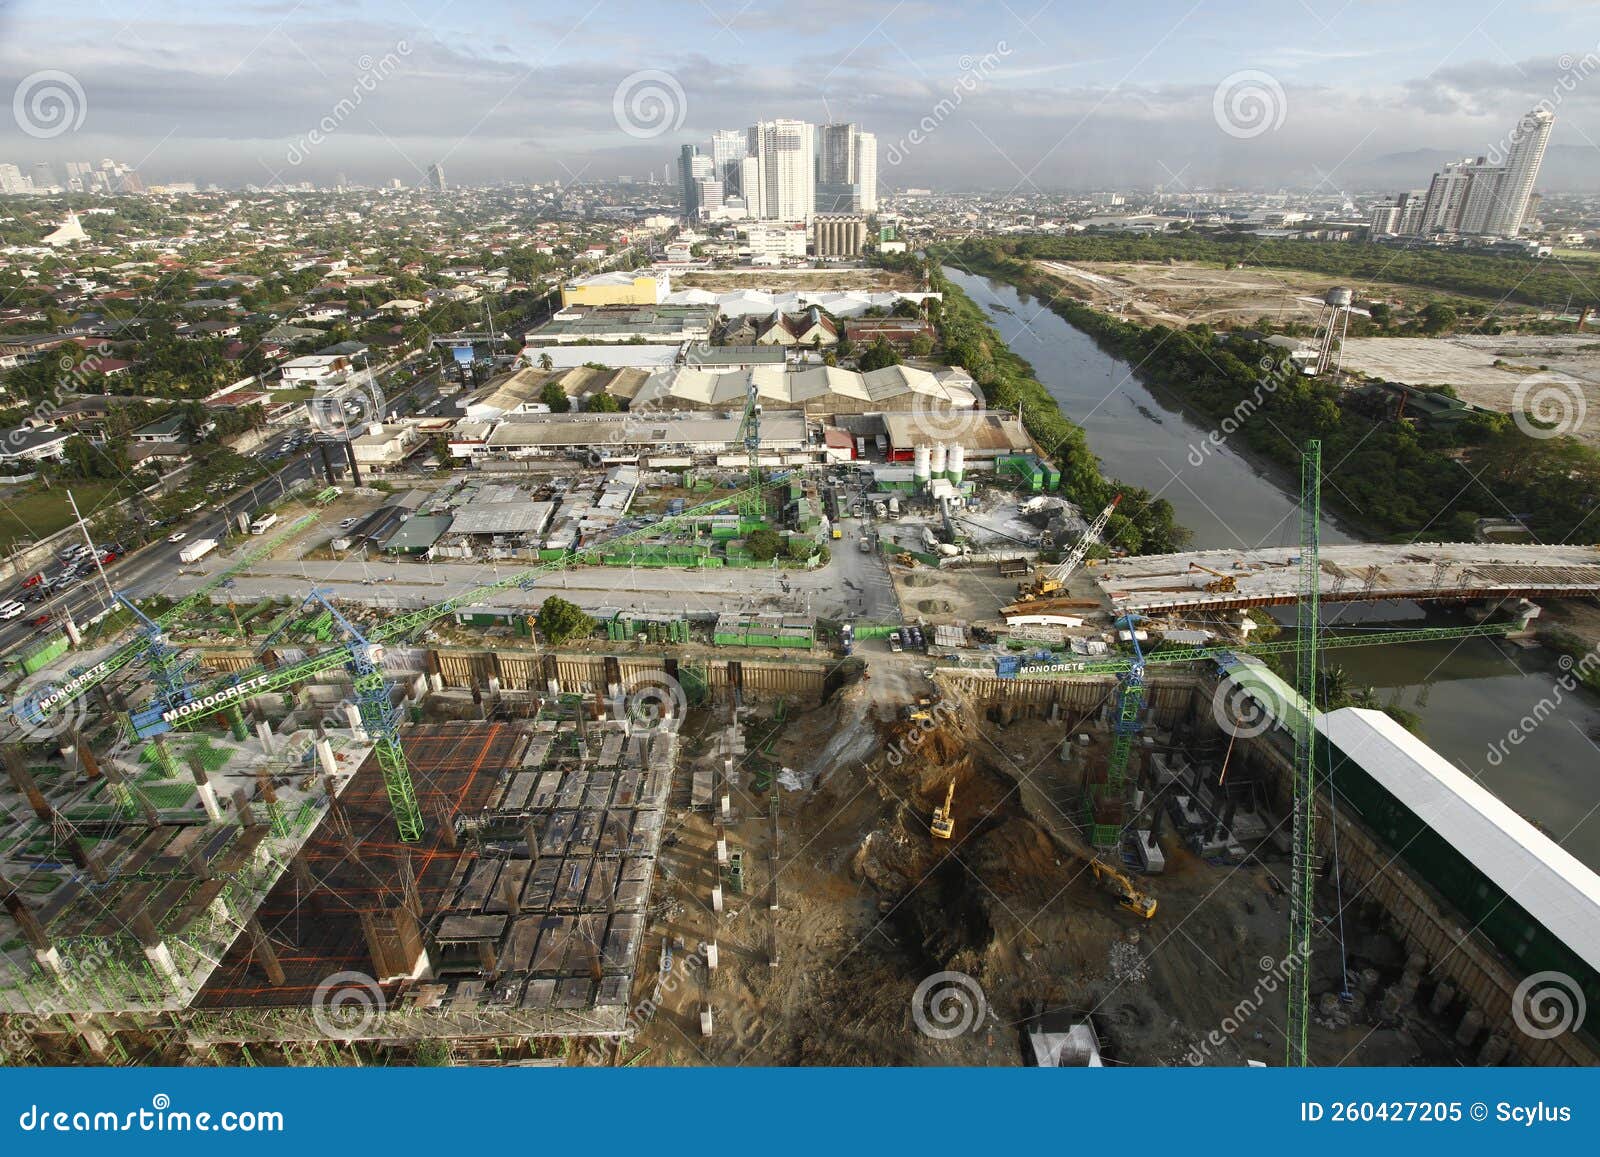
263, 524
861, 447
847, 639
882, 441
197, 550
866, 545
894, 507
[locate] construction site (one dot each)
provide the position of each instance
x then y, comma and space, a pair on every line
1017, 821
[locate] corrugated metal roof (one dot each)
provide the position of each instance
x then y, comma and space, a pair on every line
1546, 880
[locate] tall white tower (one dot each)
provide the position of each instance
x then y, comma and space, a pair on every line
1528, 141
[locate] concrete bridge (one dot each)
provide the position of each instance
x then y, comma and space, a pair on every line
1216, 580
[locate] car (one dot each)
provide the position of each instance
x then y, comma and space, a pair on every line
12, 610
177, 536
33, 580
43, 620
109, 557
347, 523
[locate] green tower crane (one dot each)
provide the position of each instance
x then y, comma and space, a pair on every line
1302, 886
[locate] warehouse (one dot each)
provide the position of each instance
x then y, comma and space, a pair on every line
613, 435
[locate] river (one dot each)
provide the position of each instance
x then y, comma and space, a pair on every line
1469, 694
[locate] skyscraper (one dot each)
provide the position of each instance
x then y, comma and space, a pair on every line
693, 167
866, 158
1515, 187
436, 178
784, 169
728, 148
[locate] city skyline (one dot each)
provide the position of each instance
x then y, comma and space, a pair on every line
257, 94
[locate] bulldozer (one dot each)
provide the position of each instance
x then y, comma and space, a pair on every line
944, 822
1118, 884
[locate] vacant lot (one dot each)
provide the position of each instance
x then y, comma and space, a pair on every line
1557, 378
1185, 292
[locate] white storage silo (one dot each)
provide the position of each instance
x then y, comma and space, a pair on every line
921, 471
958, 463
940, 457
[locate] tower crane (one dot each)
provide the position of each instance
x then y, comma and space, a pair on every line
1047, 582
170, 675
362, 655
1302, 887
753, 507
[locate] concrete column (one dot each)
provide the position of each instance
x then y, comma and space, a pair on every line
265, 955
1442, 996
208, 794
325, 758
264, 733
237, 725
722, 851
353, 714
74, 636
716, 898
705, 1020
1469, 1028
711, 955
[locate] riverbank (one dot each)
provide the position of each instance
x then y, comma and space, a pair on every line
1396, 481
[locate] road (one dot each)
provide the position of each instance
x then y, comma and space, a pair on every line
153, 569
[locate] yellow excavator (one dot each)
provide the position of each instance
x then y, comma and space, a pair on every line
1050, 582
1222, 583
944, 820
1118, 884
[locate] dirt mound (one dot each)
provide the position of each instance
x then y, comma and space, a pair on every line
919, 579
935, 606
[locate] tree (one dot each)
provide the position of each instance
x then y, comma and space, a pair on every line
546, 363
879, 355
560, 621
1437, 318
764, 544
604, 403
555, 397
921, 346
441, 451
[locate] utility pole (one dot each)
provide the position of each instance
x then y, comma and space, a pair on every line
94, 551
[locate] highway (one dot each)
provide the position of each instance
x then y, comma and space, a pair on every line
153, 569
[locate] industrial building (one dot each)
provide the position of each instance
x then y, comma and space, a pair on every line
640, 287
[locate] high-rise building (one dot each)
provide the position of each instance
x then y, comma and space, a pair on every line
750, 186
44, 176
1447, 193
1385, 219
783, 150
1412, 204
693, 167
729, 147
1515, 192
1483, 198
847, 169
867, 170
708, 195
12, 180
436, 178
1484, 184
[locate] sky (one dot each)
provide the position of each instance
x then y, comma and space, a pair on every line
1025, 95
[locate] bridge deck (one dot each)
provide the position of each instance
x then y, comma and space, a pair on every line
1152, 584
